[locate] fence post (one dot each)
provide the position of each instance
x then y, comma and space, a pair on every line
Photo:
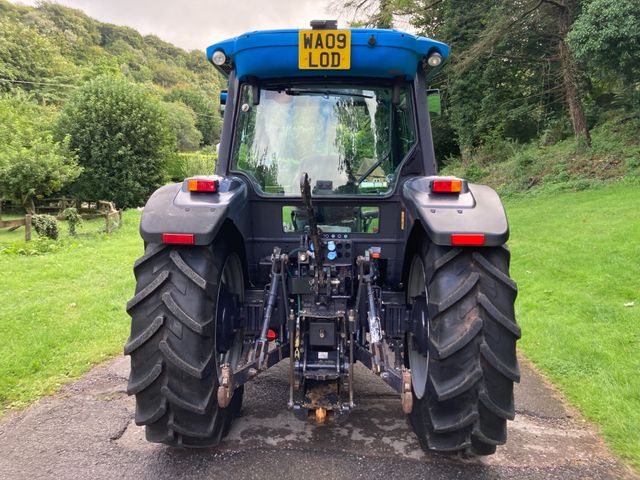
27, 228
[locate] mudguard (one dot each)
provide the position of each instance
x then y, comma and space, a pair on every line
476, 209
174, 209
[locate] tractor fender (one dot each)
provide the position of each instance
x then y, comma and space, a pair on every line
174, 209
476, 210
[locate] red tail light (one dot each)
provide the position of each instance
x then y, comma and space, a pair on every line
179, 238
446, 186
467, 239
197, 185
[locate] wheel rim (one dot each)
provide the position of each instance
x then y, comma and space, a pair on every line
233, 282
418, 362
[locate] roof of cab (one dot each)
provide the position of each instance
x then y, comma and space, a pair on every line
374, 53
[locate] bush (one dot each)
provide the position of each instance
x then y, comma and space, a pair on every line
122, 137
524, 160
632, 162
185, 165
555, 131
495, 148
474, 172
73, 217
46, 226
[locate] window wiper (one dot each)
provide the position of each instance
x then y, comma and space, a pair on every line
298, 92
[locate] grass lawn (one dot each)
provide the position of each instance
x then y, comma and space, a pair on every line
576, 258
63, 311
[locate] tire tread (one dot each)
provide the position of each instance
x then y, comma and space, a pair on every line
173, 369
473, 362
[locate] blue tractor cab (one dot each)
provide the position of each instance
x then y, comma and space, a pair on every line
386, 67
347, 53
325, 237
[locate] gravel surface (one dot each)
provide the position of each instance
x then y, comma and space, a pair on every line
87, 432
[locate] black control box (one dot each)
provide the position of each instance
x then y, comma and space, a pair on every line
322, 333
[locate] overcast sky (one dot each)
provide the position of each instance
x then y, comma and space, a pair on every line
196, 24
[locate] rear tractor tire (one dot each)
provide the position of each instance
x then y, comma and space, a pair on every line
183, 328
462, 349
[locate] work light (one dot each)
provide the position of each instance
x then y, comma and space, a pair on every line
218, 57
434, 59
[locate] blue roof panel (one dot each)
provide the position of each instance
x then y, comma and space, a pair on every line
274, 54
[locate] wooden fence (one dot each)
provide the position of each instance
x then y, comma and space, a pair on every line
109, 214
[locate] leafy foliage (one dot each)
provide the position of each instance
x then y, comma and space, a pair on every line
208, 119
27, 57
606, 38
50, 52
32, 163
191, 164
503, 85
536, 168
59, 45
74, 219
510, 78
46, 226
182, 121
122, 137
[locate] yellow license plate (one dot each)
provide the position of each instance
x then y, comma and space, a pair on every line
324, 50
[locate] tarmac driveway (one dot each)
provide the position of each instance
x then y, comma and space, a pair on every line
87, 432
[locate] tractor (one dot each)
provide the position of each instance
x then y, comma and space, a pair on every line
325, 237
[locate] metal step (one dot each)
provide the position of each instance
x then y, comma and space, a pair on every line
394, 313
253, 310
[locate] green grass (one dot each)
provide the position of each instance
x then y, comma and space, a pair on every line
63, 311
576, 258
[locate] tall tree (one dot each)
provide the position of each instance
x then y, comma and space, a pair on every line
605, 39
547, 22
510, 69
566, 13
375, 13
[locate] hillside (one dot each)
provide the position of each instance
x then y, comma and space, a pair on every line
50, 50
536, 167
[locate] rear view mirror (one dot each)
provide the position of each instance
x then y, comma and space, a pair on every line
223, 100
433, 102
